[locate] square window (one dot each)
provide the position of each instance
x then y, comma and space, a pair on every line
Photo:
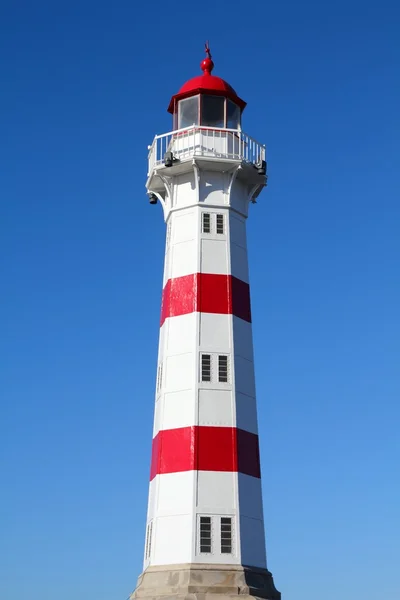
212, 111
188, 112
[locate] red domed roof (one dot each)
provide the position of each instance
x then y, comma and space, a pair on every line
206, 84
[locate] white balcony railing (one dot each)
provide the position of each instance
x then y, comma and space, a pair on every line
205, 142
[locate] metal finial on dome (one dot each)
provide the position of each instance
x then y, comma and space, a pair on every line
207, 64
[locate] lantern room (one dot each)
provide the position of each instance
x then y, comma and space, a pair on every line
206, 101
207, 115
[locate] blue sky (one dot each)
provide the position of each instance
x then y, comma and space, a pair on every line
85, 86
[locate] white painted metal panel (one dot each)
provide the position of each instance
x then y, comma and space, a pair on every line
173, 540
217, 558
179, 410
183, 227
212, 185
152, 503
214, 257
239, 197
184, 259
242, 338
215, 408
239, 265
216, 491
162, 335
252, 542
167, 263
179, 372
215, 332
244, 376
176, 493
158, 415
184, 190
246, 412
181, 334
238, 231
250, 496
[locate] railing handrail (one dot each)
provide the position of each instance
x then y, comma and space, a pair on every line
205, 127
198, 127
249, 142
191, 128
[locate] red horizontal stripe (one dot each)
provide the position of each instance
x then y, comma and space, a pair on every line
208, 293
200, 448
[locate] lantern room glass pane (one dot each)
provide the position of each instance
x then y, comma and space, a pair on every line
213, 111
232, 115
188, 112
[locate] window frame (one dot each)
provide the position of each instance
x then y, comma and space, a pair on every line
226, 548
204, 98
219, 367
203, 215
239, 120
203, 355
200, 96
222, 217
202, 538
225, 356
178, 112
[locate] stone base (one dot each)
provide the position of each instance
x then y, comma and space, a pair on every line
204, 582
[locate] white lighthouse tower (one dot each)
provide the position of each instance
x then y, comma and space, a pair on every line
205, 527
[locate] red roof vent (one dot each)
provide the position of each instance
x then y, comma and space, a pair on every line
206, 84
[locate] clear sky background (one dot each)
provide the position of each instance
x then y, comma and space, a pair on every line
84, 88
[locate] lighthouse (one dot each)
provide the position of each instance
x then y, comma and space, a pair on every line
205, 525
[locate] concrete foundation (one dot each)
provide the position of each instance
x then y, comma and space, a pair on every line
205, 582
